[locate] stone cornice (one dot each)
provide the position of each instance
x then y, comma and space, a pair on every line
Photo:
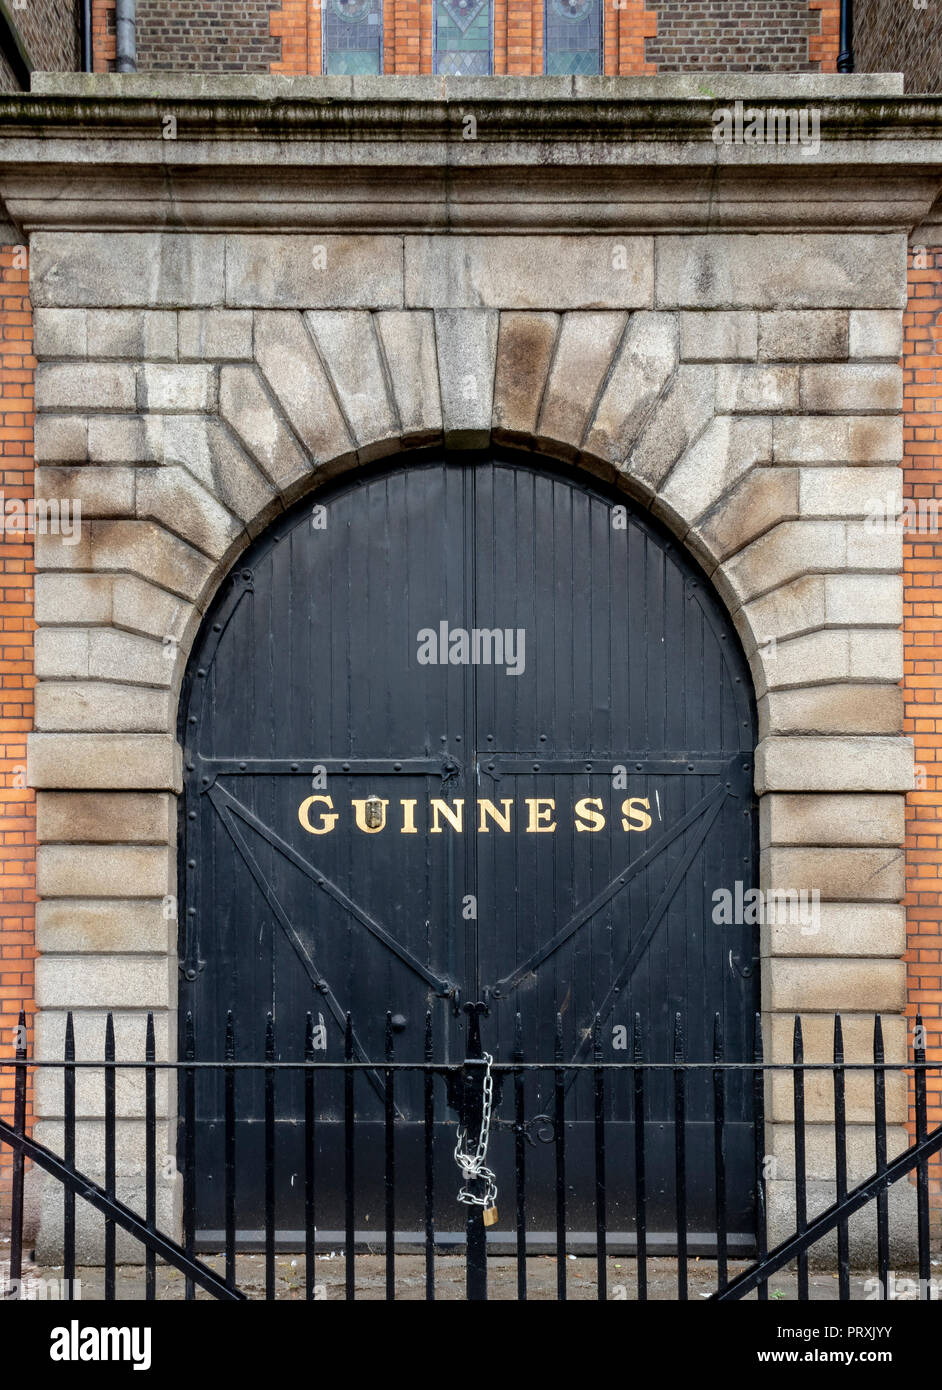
394, 154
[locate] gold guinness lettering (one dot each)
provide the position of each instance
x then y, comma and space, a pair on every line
318, 817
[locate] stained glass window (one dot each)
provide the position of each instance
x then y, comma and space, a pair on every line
353, 36
463, 45
573, 36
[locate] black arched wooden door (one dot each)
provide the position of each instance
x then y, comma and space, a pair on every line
457, 730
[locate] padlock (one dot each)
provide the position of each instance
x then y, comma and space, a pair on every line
490, 1216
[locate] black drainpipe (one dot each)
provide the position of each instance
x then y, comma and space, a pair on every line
126, 49
845, 58
86, 35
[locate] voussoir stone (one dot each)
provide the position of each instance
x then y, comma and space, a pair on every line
644, 363
764, 498
525, 346
349, 349
172, 496
252, 416
408, 343
467, 352
682, 413
147, 549
585, 347
299, 381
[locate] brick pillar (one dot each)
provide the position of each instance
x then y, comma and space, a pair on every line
626, 25
17, 829
104, 36
298, 25
824, 47
922, 635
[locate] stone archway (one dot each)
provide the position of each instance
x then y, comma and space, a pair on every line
193, 456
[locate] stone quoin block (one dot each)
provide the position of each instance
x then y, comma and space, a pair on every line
832, 709
102, 871
71, 926
832, 818
100, 817
117, 761
834, 764
102, 707
837, 439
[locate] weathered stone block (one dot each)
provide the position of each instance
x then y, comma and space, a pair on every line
837, 439
826, 986
876, 333
838, 873
519, 272
73, 926
834, 764
832, 819
116, 439
97, 707
584, 350
176, 387
791, 335
115, 761
60, 653
72, 598
408, 343
851, 386
215, 334
103, 817
59, 333
78, 386
314, 272
760, 389
83, 493
467, 352
349, 350
832, 709
113, 269
718, 337
525, 346
835, 929
60, 439
105, 982
103, 871
772, 271
863, 599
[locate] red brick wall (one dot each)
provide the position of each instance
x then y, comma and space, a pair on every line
17, 826
640, 36
922, 563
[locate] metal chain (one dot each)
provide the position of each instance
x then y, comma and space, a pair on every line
472, 1164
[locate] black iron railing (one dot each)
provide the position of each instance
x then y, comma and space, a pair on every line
613, 1138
